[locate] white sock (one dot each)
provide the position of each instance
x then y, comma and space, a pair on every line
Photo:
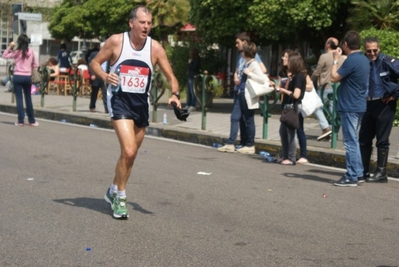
121, 193
113, 189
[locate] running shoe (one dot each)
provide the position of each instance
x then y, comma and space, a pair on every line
109, 198
119, 208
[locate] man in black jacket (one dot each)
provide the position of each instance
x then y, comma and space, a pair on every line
381, 108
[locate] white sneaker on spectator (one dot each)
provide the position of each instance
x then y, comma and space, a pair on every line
227, 148
246, 150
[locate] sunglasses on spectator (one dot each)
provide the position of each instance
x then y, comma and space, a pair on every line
372, 50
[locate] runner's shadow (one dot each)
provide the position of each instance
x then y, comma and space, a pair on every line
96, 204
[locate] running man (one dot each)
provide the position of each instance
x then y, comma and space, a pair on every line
132, 56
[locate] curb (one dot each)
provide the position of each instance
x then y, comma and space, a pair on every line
332, 158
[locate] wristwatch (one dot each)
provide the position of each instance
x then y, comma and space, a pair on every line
335, 62
177, 94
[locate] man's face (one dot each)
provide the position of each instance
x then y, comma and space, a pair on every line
239, 44
372, 50
142, 24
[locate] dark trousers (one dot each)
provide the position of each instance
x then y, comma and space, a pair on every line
94, 95
22, 86
377, 122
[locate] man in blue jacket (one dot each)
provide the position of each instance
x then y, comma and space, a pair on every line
381, 108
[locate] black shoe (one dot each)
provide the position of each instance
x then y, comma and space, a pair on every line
360, 180
345, 182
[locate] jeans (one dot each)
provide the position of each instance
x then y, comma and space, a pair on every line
248, 121
236, 121
288, 145
350, 122
301, 138
319, 113
191, 100
23, 84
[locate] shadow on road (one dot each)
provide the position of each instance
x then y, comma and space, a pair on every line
96, 204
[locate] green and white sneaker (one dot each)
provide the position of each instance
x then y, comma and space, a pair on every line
119, 208
109, 198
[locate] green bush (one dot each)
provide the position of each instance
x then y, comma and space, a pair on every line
389, 45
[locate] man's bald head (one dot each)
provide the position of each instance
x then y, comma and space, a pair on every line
331, 43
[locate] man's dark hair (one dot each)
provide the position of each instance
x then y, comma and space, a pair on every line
353, 40
133, 13
63, 46
243, 36
371, 39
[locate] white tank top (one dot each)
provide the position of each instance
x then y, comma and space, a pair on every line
135, 67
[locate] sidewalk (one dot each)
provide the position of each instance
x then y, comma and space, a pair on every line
59, 108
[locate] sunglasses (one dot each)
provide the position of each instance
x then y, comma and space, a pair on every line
372, 50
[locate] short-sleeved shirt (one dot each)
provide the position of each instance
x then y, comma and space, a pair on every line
298, 81
353, 87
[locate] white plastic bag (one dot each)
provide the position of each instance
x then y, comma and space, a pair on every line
310, 102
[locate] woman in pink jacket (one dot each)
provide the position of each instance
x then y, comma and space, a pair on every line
25, 61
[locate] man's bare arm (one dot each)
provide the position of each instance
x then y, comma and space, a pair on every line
159, 57
107, 52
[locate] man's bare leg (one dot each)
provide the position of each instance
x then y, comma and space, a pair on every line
130, 138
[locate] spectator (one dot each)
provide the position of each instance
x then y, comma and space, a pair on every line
353, 76
236, 115
294, 92
96, 48
6, 82
52, 64
321, 76
82, 64
64, 59
25, 61
381, 108
96, 84
253, 71
194, 66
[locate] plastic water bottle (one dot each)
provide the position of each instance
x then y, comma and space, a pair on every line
115, 88
165, 118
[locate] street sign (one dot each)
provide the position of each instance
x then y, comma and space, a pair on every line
29, 16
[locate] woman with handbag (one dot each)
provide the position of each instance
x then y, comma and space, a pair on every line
292, 95
25, 62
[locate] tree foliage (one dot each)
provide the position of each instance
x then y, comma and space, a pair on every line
102, 18
381, 14
269, 20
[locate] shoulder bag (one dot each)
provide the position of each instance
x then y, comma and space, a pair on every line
36, 77
289, 115
256, 89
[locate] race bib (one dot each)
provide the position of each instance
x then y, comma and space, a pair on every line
134, 79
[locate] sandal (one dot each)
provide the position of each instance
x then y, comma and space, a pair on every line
287, 162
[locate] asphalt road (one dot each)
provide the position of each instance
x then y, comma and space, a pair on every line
189, 206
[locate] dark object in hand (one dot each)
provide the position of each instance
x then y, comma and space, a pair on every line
181, 114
